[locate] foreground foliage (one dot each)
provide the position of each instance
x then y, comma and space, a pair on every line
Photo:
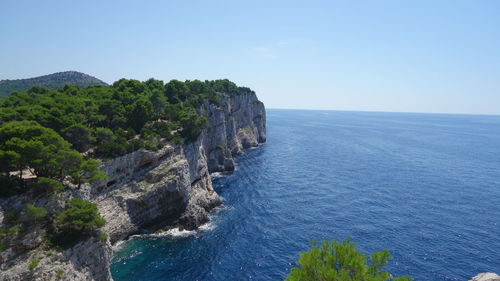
341, 262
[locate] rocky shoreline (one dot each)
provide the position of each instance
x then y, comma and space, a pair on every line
146, 191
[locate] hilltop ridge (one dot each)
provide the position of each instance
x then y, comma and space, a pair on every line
51, 81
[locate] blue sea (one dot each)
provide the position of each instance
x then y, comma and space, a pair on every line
426, 187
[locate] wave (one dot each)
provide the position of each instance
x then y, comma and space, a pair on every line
118, 246
171, 233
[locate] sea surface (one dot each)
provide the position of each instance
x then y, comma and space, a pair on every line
424, 186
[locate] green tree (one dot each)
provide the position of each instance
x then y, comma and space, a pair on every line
140, 113
130, 85
46, 185
197, 87
113, 112
35, 214
28, 145
103, 135
79, 136
79, 221
108, 144
68, 162
176, 91
341, 262
191, 123
87, 172
77, 113
223, 86
159, 102
81, 217
153, 84
157, 128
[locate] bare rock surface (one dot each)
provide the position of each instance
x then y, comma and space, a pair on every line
487, 276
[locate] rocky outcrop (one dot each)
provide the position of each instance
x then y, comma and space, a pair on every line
488, 276
87, 260
147, 191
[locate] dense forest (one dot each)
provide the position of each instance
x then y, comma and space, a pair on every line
51, 81
52, 140
57, 134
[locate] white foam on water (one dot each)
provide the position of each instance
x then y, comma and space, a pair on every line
175, 232
217, 175
206, 227
118, 246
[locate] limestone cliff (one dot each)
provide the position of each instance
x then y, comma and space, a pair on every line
148, 191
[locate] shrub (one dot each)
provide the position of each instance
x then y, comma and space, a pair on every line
79, 136
341, 262
46, 185
78, 221
134, 144
104, 135
111, 149
87, 172
10, 232
81, 216
35, 214
153, 144
103, 237
191, 123
34, 263
59, 273
126, 134
11, 217
157, 128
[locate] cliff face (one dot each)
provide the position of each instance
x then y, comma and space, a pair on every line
147, 191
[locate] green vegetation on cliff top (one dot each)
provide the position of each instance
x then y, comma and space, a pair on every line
56, 134
52, 140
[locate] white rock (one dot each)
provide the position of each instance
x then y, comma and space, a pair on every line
488, 276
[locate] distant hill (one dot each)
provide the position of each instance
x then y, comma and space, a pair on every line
53, 81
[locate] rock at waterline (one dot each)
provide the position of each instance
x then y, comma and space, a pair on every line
488, 276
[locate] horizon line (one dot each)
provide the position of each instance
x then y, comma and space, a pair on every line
383, 111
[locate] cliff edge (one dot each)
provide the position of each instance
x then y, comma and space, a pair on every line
146, 191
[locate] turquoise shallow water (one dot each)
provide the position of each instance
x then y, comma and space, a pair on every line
424, 186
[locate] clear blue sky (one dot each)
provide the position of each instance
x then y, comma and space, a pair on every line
417, 56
